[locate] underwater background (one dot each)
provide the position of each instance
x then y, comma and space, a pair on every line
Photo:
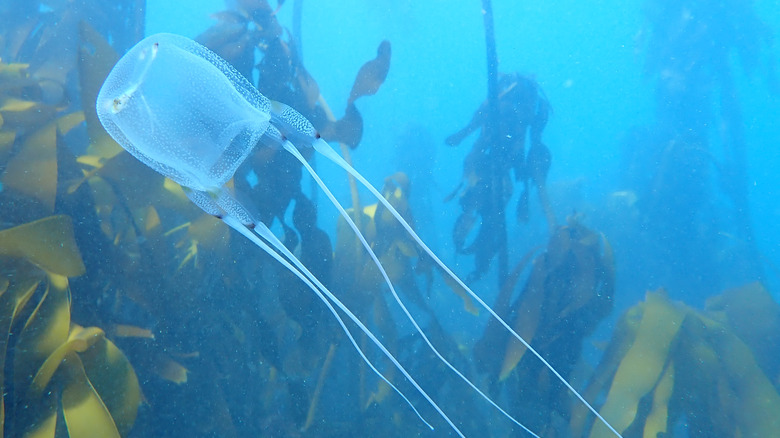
607, 181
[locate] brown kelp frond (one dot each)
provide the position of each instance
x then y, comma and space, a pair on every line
63, 377
282, 75
668, 361
495, 162
569, 291
372, 74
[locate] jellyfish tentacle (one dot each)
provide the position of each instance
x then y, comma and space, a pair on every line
294, 151
327, 297
324, 148
238, 217
264, 232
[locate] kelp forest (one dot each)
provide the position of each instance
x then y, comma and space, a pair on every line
126, 311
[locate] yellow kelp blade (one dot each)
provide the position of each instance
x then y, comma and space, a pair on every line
33, 171
584, 258
468, 303
79, 340
756, 405
527, 322
69, 121
20, 114
13, 70
115, 381
131, 331
204, 232
170, 370
643, 364
85, 414
44, 332
100, 396
7, 139
754, 316
16, 105
48, 243
171, 187
622, 339
657, 421
12, 300
209, 232
149, 219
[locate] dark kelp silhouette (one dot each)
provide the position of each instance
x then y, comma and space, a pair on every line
568, 293
283, 77
515, 110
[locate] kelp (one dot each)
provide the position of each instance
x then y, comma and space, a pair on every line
495, 161
391, 243
668, 362
274, 179
32, 170
169, 252
45, 167
364, 288
226, 344
31, 133
35, 242
59, 379
65, 380
282, 75
568, 292
45, 32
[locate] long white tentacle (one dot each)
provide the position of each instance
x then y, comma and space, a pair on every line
324, 148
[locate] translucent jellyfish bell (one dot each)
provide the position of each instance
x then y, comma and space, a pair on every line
183, 111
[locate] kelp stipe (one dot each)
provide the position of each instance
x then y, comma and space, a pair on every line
192, 117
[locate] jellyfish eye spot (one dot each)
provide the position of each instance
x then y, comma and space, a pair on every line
119, 103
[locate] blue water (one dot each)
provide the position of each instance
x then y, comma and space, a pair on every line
675, 221
589, 59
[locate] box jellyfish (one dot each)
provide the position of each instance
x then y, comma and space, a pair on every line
188, 114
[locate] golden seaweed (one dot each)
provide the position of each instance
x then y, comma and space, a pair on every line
58, 366
679, 362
